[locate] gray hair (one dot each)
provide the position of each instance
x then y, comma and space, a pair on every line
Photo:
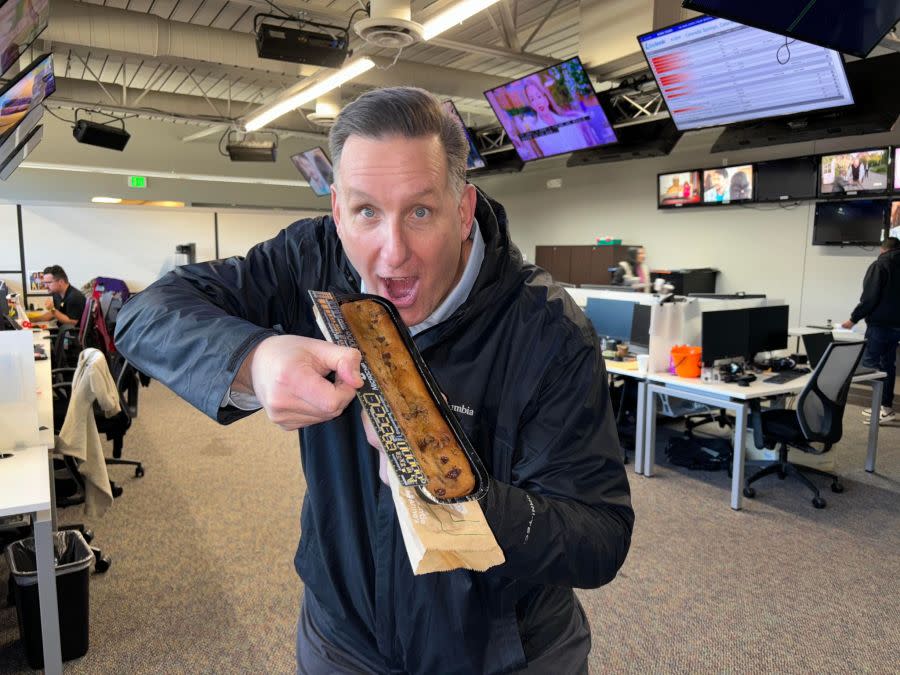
402, 111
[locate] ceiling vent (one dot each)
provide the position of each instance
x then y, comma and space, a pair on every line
389, 25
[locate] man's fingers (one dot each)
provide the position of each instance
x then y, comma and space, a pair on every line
348, 368
335, 358
321, 395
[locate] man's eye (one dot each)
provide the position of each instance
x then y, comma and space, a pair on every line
421, 212
367, 212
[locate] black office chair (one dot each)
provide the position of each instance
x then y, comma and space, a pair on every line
817, 419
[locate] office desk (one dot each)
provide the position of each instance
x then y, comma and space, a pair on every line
44, 391
629, 369
736, 399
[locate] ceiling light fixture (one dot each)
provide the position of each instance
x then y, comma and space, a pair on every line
308, 93
453, 16
106, 200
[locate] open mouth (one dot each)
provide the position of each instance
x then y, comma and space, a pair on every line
402, 291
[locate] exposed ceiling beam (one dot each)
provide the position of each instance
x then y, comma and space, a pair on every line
522, 57
509, 26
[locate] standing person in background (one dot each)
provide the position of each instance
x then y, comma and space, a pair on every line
66, 303
634, 271
879, 305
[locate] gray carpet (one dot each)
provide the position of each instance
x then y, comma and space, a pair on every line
202, 577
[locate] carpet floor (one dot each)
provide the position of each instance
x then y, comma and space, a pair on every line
202, 579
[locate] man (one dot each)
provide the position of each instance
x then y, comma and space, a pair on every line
67, 302
502, 340
879, 305
717, 189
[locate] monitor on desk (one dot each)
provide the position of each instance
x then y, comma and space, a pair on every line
640, 330
725, 335
611, 318
768, 329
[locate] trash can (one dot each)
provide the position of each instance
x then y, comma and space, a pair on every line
73, 558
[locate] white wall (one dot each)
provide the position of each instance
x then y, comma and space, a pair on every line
757, 248
240, 231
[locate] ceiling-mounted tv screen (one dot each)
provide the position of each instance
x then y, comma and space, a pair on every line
787, 179
21, 21
896, 171
894, 222
316, 169
474, 160
852, 173
727, 184
859, 222
24, 92
850, 26
713, 72
551, 112
682, 188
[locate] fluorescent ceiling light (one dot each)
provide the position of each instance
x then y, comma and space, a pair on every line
310, 93
106, 200
112, 171
453, 16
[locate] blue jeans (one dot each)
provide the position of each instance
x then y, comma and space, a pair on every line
881, 353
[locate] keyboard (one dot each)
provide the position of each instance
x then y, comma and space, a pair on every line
786, 376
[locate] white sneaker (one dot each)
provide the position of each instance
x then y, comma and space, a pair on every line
884, 415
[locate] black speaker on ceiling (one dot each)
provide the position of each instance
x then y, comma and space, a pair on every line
101, 135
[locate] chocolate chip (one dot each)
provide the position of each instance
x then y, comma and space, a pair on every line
444, 459
440, 492
454, 473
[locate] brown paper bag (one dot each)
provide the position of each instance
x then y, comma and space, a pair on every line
440, 538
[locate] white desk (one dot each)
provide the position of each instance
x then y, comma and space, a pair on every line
629, 369
44, 391
736, 399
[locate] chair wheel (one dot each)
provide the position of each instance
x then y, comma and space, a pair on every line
116, 490
818, 502
837, 487
102, 564
88, 535
139, 471
749, 492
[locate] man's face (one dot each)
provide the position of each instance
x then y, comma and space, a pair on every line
403, 228
53, 284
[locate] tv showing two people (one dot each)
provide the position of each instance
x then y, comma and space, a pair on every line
551, 112
316, 169
679, 189
21, 21
26, 92
852, 172
474, 160
728, 184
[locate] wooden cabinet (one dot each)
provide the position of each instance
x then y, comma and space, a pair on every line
579, 264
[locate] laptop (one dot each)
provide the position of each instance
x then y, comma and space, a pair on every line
816, 344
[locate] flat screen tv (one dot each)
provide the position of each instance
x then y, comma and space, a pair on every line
316, 169
21, 21
896, 171
552, 112
787, 179
859, 222
24, 92
728, 184
682, 188
474, 160
713, 72
849, 26
894, 222
853, 173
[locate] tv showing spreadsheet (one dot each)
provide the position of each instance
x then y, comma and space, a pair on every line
852, 173
727, 184
713, 72
21, 21
474, 160
787, 179
860, 222
682, 188
551, 112
850, 26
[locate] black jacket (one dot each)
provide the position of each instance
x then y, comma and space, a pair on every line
518, 353
879, 303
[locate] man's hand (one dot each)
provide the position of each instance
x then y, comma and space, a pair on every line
287, 375
848, 324
48, 305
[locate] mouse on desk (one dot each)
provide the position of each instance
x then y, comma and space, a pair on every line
746, 380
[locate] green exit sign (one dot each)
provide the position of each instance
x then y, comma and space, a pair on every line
137, 181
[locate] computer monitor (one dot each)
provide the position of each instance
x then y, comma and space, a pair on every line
894, 219
725, 335
727, 184
860, 222
682, 188
815, 345
474, 160
852, 173
314, 166
23, 93
853, 27
21, 21
551, 112
640, 329
787, 179
611, 318
768, 329
712, 72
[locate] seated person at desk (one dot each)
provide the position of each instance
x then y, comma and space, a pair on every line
67, 302
633, 271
